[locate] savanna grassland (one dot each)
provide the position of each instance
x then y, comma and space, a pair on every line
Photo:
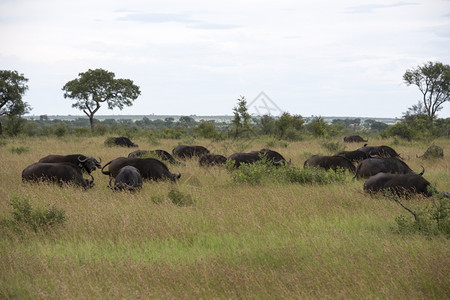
224, 239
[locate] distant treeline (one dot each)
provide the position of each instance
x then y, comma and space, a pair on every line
286, 127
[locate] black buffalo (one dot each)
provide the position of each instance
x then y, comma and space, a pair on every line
88, 164
379, 151
56, 172
330, 162
354, 156
210, 159
150, 168
129, 178
432, 152
372, 166
251, 157
122, 141
161, 154
184, 151
399, 184
354, 139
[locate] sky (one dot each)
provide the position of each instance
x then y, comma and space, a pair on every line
312, 58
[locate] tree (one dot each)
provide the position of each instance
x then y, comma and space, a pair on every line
242, 118
433, 81
99, 86
12, 88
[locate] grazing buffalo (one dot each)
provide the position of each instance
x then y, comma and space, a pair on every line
251, 157
372, 166
330, 162
400, 184
129, 178
85, 163
184, 151
354, 156
354, 139
379, 151
272, 155
433, 152
56, 172
210, 159
150, 168
121, 141
161, 154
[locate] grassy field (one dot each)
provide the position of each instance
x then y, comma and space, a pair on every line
230, 240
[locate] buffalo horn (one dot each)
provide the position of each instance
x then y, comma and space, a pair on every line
81, 160
423, 171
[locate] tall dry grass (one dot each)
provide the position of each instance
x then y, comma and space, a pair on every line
229, 241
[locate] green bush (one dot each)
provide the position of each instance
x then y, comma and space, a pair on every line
297, 174
36, 218
430, 220
256, 173
179, 198
19, 150
332, 147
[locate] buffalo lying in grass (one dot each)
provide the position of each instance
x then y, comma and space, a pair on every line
59, 173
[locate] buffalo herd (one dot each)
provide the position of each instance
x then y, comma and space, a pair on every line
381, 166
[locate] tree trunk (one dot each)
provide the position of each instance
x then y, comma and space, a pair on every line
91, 121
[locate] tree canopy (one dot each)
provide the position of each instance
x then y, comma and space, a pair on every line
12, 87
433, 81
100, 86
242, 118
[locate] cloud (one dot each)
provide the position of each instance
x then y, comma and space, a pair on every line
371, 8
175, 18
157, 18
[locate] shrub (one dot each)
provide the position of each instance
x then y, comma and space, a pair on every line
262, 170
332, 147
82, 132
297, 174
24, 213
179, 198
19, 150
430, 220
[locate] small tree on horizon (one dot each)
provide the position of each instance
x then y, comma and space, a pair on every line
99, 86
433, 81
242, 118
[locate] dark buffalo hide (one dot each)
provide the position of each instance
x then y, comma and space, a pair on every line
329, 162
354, 139
56, 172
123, 141
433, 152
354, 156
150, 168
243, 158
251, 157
88, 164
379, 151
400, 184
372, 166
129, 178
184, 151
161, 154
210, 159
271, 155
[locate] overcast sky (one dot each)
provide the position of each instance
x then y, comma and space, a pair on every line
318, 57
